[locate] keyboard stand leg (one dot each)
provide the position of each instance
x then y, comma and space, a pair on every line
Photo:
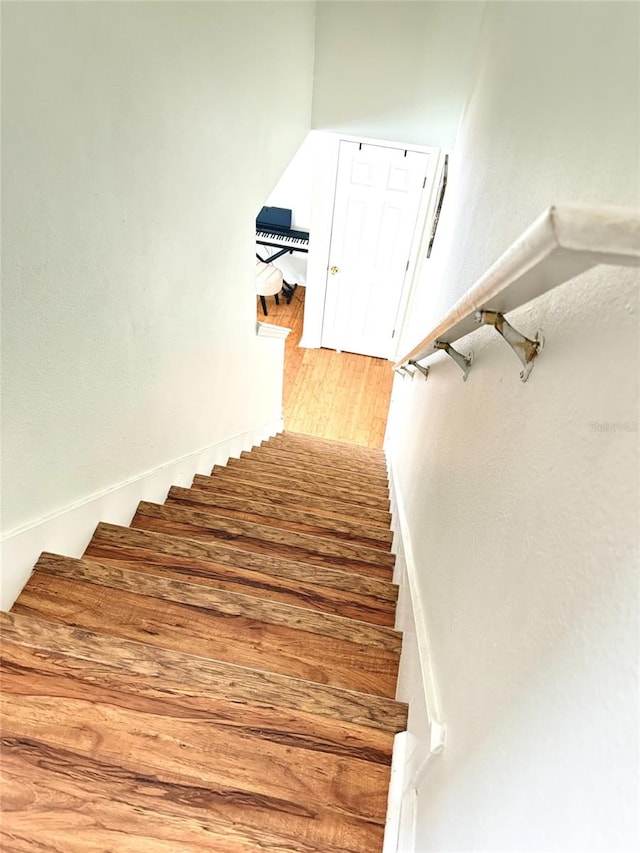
288, 291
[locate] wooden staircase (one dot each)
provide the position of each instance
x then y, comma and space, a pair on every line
219, 676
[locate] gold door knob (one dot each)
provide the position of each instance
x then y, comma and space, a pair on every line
334, 270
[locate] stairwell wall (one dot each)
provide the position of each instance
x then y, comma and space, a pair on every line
137, 148
521, 500
394, 70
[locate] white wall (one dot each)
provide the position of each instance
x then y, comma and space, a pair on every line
293, 191
522, 507
137, 149
394, 70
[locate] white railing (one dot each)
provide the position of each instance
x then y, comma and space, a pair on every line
562, 243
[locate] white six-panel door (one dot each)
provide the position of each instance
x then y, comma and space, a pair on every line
378, 195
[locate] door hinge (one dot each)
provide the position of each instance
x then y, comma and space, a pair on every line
407, 267
424, 183
393, 333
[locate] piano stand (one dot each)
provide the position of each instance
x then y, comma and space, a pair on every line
288, 290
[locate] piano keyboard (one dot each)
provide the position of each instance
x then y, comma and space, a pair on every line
298, 241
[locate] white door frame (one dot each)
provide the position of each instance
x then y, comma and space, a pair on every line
323, 198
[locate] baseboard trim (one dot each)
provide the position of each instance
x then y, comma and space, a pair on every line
69, 529
402, 541
425, 737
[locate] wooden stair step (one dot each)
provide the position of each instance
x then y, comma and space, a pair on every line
190, 748
321, 471
231, 484
362, 468
225, 603
193, 676
214, 623
359, 488
96, 804
329, 446
301, 521
318, 459
194, 524
330, 591
366, 463
269, 532
346, 497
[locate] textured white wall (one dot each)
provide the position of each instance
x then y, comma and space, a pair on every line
137, 149
394, 70
523, 498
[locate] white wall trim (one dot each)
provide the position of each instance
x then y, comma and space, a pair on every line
69, 529
401, 529
414, 750
270, 330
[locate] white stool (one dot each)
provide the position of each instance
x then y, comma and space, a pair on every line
268, 283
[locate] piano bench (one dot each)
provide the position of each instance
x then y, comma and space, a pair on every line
268, 283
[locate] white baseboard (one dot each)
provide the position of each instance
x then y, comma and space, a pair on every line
68, 530
424, 739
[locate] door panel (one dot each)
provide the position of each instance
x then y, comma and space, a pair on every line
378, 195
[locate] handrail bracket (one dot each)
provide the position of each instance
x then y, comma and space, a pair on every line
423, 370
526, 349
404, 371
464, 362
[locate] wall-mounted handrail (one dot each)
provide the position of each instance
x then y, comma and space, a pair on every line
562, 243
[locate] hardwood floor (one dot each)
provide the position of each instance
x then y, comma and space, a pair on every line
333, 395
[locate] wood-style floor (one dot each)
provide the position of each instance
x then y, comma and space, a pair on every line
328, 394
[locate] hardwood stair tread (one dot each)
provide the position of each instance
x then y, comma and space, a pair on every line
303, 730
302, 521
194, 524
340, 462
345, 496
219, 630
330, 445
140, 544
60, 814
193, 751
330, 591
196, 676
230, 604
321, 471
352, 489
230, 483
265, 529
314, 543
